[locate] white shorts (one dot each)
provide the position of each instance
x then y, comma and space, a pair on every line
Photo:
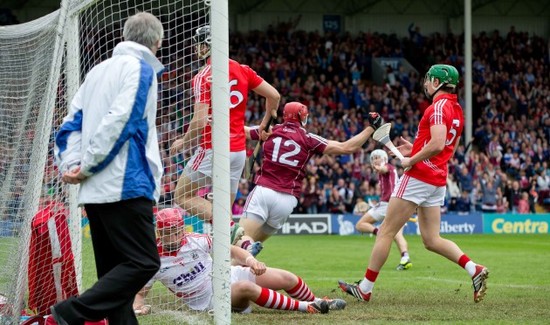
378, 212
418, 192
271, 207
199, 167
203, 301
241, 273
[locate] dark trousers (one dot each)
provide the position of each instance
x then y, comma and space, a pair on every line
126, 257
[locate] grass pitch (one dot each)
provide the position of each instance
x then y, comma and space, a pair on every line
434, 290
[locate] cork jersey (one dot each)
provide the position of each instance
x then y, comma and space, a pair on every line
445, 110
242, 79
186, 272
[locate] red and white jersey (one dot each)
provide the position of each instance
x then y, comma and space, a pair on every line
387, 182
186, 272
445, 110
286, 153
242, 79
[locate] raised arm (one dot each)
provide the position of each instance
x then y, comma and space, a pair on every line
350, 146
355, 143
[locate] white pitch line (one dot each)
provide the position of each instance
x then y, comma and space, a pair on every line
467, 281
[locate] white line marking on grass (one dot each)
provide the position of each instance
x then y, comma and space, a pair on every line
351, 279
505, 285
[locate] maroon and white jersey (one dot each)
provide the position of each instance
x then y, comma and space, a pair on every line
286, 153
186, 272
387, 182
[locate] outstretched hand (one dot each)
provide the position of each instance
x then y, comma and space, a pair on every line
405, 147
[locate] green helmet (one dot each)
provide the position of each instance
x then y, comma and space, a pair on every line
447, 74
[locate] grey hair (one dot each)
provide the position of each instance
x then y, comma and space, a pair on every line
143, 28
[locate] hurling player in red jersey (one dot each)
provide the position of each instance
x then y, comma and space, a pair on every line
285, 155
186, 270
387, 177
422, 187
198, 171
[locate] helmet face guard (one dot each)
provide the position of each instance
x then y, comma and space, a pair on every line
295, 111
446, 74
202, 40
170, 228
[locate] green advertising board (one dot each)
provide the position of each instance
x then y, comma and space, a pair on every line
515, 223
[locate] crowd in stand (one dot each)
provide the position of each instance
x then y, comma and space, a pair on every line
505, 167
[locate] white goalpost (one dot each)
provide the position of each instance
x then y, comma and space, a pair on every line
45, 247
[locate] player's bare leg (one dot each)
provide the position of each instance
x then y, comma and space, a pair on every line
398, 213
429, 221
254, 229
186, 197
264, 293
366, 224
295, 287
405, 262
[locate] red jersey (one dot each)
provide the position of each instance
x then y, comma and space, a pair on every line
387, 182
286, 153
241, 79
445, 110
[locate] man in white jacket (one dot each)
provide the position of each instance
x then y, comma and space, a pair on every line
108, 144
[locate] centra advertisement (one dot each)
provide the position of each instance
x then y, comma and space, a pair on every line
516, 223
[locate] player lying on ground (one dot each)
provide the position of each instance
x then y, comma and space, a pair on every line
422, 187
387, 176
251, 282
286, 153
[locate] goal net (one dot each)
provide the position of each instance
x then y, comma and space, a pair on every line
46, 253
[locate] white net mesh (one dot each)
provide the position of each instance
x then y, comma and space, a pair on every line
27, 55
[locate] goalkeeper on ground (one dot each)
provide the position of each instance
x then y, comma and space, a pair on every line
251, 281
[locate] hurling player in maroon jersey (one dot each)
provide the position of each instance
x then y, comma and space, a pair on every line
387, 177
286, 153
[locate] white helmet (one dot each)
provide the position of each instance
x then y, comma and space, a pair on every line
379, 153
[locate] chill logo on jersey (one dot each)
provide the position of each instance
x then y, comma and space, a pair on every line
194, 255
189, 276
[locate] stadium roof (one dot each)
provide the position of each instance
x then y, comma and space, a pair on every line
451, 8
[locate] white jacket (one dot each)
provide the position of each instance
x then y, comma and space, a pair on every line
110, 128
